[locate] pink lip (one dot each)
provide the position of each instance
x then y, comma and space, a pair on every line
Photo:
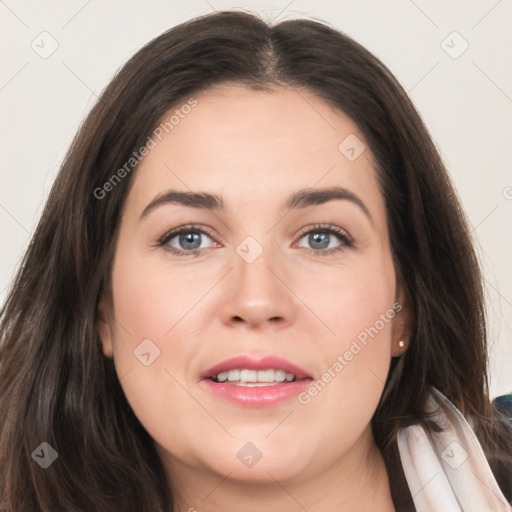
263, 396
244, 362
260, 396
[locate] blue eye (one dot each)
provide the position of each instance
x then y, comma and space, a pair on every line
326, 239
323, 239
189, 240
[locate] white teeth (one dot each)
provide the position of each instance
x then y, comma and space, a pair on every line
233, 375
248, 376
255, 377
280, 376
264, 376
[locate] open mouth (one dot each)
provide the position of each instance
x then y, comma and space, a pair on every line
254, 378
250, 382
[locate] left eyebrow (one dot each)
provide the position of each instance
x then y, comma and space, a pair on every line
300, 199
311, 197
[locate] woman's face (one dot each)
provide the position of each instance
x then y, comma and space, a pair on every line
295, 265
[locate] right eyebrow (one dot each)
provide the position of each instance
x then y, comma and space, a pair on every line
203, 200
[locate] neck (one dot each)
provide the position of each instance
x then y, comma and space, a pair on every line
358, 482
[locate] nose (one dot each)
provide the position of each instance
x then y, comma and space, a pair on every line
258, 295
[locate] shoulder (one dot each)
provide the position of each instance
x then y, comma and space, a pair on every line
503, 404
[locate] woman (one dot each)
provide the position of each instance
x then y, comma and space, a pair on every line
252, 286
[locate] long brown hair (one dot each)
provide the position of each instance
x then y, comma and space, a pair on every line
56, 386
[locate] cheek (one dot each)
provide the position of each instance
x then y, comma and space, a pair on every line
154, 337
151, 297
152, 343
352, 302
357, 306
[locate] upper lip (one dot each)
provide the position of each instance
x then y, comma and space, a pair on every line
245, 362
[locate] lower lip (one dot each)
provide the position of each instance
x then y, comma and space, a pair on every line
258, 396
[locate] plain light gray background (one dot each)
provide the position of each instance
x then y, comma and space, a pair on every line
58, 56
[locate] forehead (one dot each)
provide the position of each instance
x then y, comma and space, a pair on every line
234, 121
251, 145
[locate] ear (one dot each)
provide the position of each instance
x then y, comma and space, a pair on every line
104, 327
402, 323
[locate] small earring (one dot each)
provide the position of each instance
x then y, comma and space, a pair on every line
401, 344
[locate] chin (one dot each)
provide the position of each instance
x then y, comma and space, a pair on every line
259, 462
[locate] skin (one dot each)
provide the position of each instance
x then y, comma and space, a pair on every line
255, 149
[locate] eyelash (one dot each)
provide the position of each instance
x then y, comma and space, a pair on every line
347, 241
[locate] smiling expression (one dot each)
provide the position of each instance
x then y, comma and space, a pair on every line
249, 233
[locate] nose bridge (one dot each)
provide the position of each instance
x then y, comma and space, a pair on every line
255, 294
